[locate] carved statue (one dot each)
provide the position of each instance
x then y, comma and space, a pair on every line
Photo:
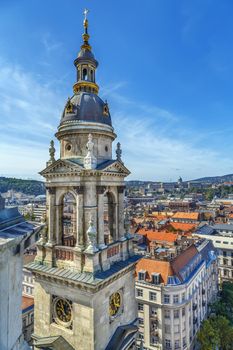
51, 153
91, 234
119, 152
43, 235
90, 161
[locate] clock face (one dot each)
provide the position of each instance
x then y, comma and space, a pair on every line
114, 303
62, 311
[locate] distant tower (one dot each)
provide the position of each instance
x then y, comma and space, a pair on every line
84, 269
180, 182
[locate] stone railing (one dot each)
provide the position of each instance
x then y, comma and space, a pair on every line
64, 253
112, 251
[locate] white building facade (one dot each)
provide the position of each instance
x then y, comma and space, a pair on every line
172, 304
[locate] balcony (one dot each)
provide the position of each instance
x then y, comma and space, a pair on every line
194, 306
64, 253
194, 320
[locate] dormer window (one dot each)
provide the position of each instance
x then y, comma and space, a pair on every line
142, 275
155, 278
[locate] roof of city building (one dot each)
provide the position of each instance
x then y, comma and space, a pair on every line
185, 215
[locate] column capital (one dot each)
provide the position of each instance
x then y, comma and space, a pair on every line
100, 189
79, 189
51, 190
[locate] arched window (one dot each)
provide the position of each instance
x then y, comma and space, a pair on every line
92, 75
109, 218
84, 74
69, 220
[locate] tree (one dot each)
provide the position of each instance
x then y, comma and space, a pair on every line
207, 336
222, 327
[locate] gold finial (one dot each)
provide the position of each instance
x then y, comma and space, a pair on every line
85, 34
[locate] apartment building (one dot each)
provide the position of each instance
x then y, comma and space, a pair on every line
173, 296
221, 236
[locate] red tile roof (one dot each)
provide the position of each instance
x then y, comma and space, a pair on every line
183, 226
26, 302
181, 260
160, 236
186, 216
155, 266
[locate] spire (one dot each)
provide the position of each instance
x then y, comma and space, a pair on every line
86, 64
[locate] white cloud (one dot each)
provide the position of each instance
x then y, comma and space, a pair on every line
29, 115
155, 143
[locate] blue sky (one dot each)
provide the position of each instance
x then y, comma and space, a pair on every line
165, 67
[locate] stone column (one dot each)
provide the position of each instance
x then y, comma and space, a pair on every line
79, 217
51, 193
100, 224
90, 207
59, 213
121, 229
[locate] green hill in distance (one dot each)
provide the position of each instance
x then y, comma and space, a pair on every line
30, 187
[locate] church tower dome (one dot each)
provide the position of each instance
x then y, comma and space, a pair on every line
85, 109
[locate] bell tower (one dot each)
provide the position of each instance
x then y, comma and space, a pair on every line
85, 264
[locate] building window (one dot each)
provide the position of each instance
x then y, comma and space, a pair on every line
167, 329
140, 336
176, 313
140, 307
167, 313
184, 342
177, 344
153, 296
153, 311
141, 321
183, 296
139, 292
155, 278
176, 328
154, 340
225, 272
24, 322
166, 299
225, 262
183, 311
176, 299
224, 253
167, 344
141, 276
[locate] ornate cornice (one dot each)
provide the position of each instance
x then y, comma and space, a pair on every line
44, 276
51, 190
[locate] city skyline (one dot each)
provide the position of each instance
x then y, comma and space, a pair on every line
179, 103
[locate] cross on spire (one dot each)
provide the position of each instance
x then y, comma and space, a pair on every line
85, 12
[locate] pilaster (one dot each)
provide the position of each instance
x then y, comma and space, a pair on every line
121, 229
51, 193
100, 225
